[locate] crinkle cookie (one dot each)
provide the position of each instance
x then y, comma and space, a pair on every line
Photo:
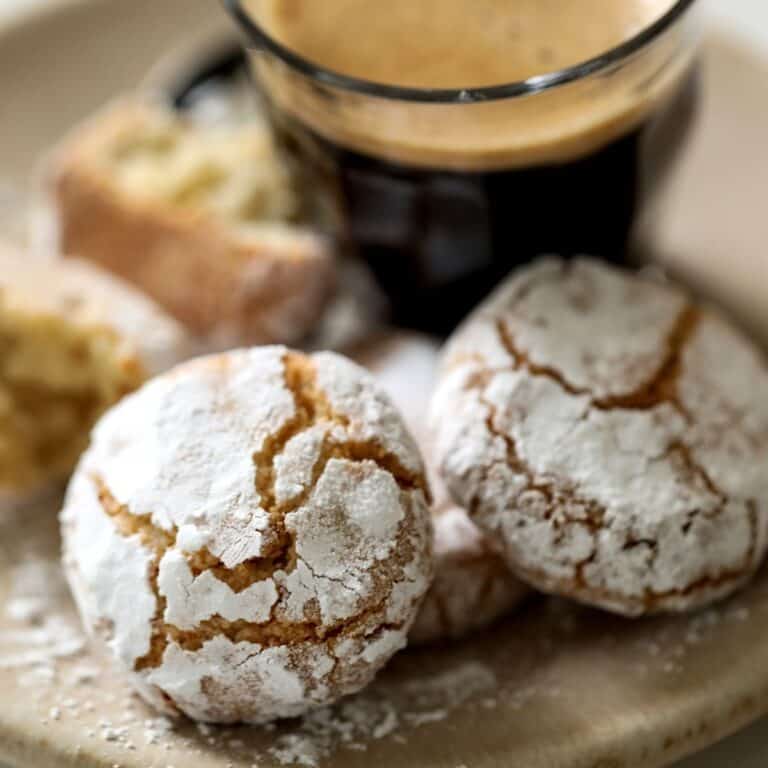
612, 434
250, 534
473, 587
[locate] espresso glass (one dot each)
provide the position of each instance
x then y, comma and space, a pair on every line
443, 191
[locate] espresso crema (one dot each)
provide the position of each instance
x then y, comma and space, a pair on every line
466, 44
454, 43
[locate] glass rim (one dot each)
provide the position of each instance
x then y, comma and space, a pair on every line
536, 84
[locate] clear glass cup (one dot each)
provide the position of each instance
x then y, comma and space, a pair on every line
443, 191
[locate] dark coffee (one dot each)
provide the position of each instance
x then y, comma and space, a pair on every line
443, 194
438, 241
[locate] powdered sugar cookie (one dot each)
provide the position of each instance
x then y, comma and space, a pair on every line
611, 434
250, 534
473, 587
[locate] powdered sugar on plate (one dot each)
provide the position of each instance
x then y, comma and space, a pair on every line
37, 632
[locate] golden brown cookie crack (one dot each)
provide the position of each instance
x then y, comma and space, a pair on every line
684, 454
270, 634
158, 541
311, 408
593, 513
660, 388
558, 500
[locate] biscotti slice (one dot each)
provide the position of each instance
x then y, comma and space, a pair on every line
73, 341
201, 218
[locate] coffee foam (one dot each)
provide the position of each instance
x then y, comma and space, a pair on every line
453, 43
552, 126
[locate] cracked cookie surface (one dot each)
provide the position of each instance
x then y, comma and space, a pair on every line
473, 587
250, 534
611, 434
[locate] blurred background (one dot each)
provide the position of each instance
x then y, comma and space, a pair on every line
749, 17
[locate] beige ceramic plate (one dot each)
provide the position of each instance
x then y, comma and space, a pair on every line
556, 686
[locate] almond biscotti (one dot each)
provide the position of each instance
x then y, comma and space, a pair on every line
73, 341
200, 218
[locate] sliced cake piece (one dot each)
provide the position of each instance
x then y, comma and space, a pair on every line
73, 341
202, 218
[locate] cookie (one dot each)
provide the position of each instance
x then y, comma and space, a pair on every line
73, 341
249, 534
611, 434
473, 587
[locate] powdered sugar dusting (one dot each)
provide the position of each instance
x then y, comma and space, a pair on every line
191, 600
531, 669
524, 672
354, 393
120, 608
473, 587
381, 713
38, 633
180, 450
250, 534
366, 534
599, 441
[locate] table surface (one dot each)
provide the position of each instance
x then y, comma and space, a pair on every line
749, 19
